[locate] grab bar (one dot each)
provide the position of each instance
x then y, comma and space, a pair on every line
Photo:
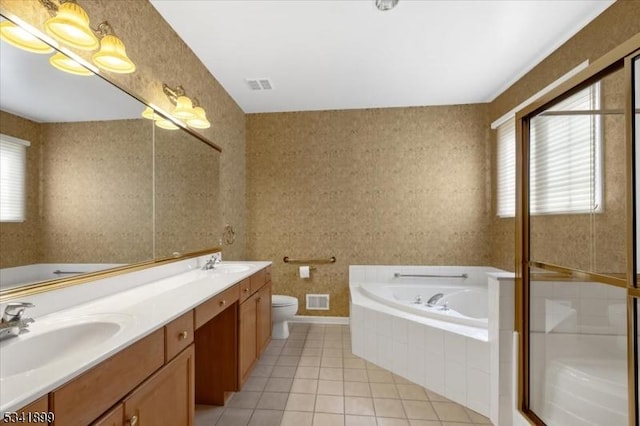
286, 259
59, 272
399, 275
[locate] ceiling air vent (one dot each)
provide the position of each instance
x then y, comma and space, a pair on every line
259, 83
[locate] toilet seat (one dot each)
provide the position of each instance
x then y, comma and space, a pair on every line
281, 300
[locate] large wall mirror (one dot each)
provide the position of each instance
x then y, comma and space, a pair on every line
103, 187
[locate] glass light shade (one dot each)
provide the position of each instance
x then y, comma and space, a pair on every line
112, 56
163, 123
200, 122
22, 39
150, 114
71, 26
184, 109
66, 64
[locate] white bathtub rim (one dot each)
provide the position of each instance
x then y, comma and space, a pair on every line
455, 316
362, 300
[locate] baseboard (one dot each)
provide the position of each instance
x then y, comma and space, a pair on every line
308, 319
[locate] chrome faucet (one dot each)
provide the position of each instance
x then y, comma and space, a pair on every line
13, 324
434, 299
211, 263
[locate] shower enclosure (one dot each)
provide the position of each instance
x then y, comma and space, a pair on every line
578, 200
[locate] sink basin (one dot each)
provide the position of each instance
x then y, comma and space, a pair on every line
230, 268
54, 341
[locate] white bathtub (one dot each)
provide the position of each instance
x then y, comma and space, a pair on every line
460, 303
454, 352
26, 274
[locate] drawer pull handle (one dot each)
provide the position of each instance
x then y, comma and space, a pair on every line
245, 290
183, 335
223, 302
133, 421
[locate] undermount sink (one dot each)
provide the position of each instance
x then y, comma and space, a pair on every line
230, 268
53, 341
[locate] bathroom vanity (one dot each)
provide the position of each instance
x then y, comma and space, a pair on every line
192, 337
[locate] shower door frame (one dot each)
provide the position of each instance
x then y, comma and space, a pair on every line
620, 58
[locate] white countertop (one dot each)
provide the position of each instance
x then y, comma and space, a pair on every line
140, 311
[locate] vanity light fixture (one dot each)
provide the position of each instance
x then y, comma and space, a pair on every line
22, 39
166, 124
66, 64
112, 55
150, 114
200, 122
70, 25
184, 109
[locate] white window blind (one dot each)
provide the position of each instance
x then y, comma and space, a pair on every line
12, 178
565, 159
565, 152
506, 175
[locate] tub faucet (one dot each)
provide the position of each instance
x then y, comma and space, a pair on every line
434, 299
12, 323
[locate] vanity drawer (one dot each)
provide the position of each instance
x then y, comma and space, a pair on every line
258, 279
267, 277
245, 289
83, 399
216, 304
178, 335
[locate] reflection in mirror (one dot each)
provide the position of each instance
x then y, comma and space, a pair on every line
578, 351
88, 175
577, 179
186, 193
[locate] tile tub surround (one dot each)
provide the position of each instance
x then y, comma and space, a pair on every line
451, 359
150, 299
313, 378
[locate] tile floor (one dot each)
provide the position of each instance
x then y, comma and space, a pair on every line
313, 379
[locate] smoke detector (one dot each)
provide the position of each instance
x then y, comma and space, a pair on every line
259, 83
384, 5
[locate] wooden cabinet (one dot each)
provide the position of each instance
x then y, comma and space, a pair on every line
115, 417
263, 319
254, 331
247, 341
178, 334
166, 398
85, 398
31, 414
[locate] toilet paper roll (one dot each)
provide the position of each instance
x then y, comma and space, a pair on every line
304, 272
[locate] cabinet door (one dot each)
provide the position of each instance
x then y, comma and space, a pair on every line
115, 417
264, 317
37, 408
166, 398
247, 339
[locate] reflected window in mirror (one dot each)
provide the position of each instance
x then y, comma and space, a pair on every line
13, 165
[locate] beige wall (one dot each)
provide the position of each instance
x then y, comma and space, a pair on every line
380, 186
20, 243
97, 192
615, 25
162, 57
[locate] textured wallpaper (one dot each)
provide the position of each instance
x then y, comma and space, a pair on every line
162, 57
614, 26
97, 192
379, 186
20, 243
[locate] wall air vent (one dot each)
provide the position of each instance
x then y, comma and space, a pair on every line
259, 83
317, 302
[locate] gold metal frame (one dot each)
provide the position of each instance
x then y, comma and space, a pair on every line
40, 287
617, 59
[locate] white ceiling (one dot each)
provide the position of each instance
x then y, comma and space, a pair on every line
342, 54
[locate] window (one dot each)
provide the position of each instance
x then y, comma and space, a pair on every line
566, 153
13, 154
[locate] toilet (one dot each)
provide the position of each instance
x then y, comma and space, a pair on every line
283, 308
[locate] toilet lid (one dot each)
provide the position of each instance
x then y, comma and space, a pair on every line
281, 300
